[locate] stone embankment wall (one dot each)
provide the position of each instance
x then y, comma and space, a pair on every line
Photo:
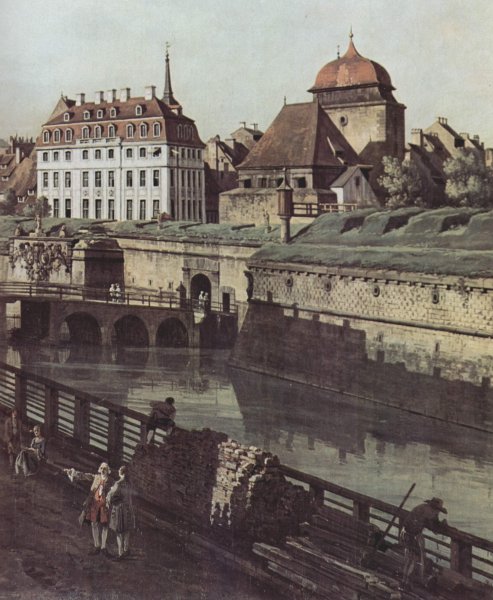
233, 492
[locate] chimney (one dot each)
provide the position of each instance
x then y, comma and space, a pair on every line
475, 137
17, 155
285, 208
80, 99
417, 137
150, 92
110, 95
465, 136
442, 120
124, 94
99, 97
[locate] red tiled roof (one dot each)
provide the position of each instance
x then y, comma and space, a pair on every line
302, 135
352, 69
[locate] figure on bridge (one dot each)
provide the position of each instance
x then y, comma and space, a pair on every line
29, 459
162, 415
423, 516
95, 509
122, 516
12, 435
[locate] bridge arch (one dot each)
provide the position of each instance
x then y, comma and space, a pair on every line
130, 330
81, 328
172, 333
200, 283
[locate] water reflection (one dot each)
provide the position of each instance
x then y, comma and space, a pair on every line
367, 447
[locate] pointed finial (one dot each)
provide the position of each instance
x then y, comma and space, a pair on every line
338, 51
284, 100
351, 35
167, 47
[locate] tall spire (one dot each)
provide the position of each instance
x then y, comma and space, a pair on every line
168, 90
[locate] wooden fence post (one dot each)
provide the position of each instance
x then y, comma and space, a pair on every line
461, 557
51, 411
318, 494
81, 420
361, 511
115, 436
20, 396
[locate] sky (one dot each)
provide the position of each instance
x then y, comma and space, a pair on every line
235, 60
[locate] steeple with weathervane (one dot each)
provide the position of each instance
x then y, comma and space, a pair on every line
168, 90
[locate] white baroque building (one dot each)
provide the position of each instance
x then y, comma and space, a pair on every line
122, 158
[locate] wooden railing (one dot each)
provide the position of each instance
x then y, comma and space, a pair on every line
112, 432
314, 209
462, 552
132, 298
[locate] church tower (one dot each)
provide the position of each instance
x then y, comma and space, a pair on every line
168, 97
356, 93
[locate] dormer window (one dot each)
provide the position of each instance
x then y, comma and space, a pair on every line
46, 137
68, 135
87, 115
66, 117
143, 130
156, 128
56, 136
111, 131
113, 112
138, 110
100, 114
130, 131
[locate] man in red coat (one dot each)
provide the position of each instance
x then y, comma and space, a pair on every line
95, 508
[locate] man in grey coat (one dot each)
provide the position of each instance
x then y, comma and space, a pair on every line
122, 516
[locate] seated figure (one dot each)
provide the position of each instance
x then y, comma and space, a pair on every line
29, 459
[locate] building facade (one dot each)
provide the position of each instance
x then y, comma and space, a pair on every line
121, 157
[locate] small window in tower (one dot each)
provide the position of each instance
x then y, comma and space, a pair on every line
343, 120
357, 181
302, 182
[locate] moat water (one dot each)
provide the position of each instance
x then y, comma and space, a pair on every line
367, 447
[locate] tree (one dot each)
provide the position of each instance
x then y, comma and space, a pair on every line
40, 207
469, 180
9, 203
402, 182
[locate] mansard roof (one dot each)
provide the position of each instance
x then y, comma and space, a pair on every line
302, 135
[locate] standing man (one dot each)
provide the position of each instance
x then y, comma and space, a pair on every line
12, 435
423, 516
122, 516
96, 510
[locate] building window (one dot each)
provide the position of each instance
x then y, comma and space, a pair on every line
56, 156
46, 137
45, 179
85, 154
111, 209
111, 178
130, 131
129, 210
199, 154
68, 155
100, 114
97, 179
182, 152
98, 205
56, 207
113, 112
68, 135
87, 115
55, 179
85, 179
189, 153
357, 181
193, 153
183, 179
188, 178
129, 153
155, 208
142, 210
155, 178
45, 156
97, 131
143, 130
97, 154
138, 110
56, 135
66, 117
85, 133
142, 178
302, 182
172, 179
85, 208
156, 128
111, 131
68, 208
68, 179
142, 152
111, 153
129, 179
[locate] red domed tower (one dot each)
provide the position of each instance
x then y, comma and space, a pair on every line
356, 93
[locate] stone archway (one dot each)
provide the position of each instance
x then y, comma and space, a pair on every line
81, 328
200, 283
172, 333
130, 331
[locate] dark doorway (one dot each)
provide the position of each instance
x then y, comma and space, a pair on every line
226, 302
200, 283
